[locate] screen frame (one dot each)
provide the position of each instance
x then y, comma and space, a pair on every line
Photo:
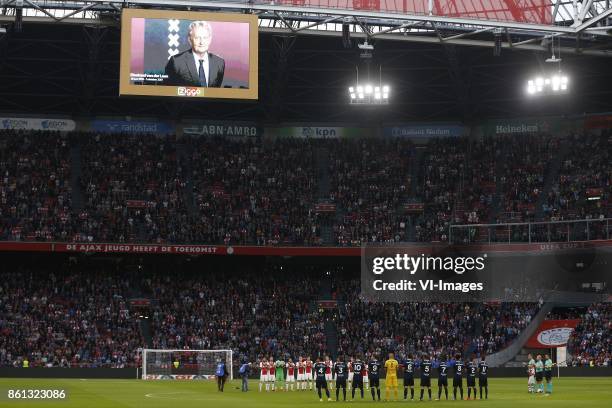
128, 89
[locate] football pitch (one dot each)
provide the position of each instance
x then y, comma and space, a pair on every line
503, 392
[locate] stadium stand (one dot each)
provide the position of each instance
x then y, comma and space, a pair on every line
35, 190
133, 189
254, 316
84, 315
160, 189
591, 343
584, 174
253, 192
67, 319
366, 327
370, 182
264, 192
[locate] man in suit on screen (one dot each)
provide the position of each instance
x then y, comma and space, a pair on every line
196, 66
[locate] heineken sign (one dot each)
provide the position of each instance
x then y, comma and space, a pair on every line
534, 127
549, 124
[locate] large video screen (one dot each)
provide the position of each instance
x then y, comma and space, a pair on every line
188, 54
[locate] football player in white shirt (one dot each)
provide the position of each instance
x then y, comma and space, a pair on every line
328, 372
309, 372
271, 374
263, 375
290, 379
350, 374
301, 374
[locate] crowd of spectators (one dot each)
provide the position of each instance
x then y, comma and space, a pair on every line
591, 342
35, 191
88, 317
479, 180
254, 315
77, 317
502, 323
441, 173
253, 192
583, 187
367, 327
370, 182
526, 158
132, 188
67, 319
164, 189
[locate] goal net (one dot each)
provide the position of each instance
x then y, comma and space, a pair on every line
184, 364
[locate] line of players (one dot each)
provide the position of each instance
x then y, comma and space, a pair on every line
356, 374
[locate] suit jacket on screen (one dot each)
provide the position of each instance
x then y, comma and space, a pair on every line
182, 71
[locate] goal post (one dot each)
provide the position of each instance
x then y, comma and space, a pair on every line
177, 364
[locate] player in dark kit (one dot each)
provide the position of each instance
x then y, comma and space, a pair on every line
483, 368
472, 369
358, 367
374, 370
425, 375
442, 377
459, 368
341, 374
408, 365
320, 381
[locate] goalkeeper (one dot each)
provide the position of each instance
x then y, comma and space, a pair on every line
280, 373
391, 377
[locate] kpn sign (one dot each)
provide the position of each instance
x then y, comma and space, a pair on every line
318, 132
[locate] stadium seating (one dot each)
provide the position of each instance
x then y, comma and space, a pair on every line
369, 183
583, 174
253, 193
366, 327
133, 189
160, 189
254, 316
95, 315
591, 342
35, 190
67, 319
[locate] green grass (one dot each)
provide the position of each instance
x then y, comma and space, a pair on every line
506, 392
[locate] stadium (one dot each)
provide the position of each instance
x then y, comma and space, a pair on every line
305, 202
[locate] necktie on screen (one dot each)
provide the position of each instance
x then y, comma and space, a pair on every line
201, 73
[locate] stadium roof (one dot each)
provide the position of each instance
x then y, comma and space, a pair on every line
523, 24
439, 68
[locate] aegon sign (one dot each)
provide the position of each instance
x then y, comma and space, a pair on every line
38, 124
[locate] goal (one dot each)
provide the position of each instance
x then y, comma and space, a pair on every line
184, 364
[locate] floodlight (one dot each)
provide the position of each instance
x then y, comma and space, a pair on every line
553, 84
